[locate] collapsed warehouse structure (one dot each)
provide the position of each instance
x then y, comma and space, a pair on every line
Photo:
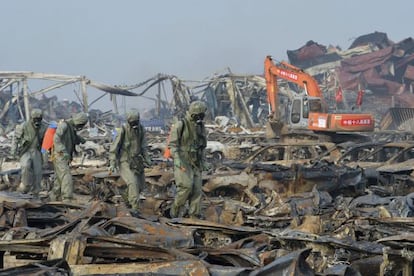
295, 208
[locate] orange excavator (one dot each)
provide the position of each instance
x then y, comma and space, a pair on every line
307, 110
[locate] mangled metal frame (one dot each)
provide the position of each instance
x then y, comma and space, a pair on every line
10, 78
237, 89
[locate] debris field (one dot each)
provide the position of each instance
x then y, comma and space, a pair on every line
270, 207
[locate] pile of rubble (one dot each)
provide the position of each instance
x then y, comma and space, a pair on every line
383, 69
297, 207
315, 217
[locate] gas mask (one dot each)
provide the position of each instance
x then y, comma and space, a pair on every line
37, 122
79, 127
134, 124
198, 118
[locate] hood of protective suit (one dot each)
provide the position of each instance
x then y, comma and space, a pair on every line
36, 117
80, 118
132, 116
196, 112
197, 107
36, 114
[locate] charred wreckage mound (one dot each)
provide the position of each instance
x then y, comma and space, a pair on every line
291, 207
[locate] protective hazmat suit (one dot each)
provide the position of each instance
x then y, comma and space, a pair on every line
27, 144
187, 145
128, 154
64, 142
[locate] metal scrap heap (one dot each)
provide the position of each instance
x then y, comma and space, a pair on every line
268, 208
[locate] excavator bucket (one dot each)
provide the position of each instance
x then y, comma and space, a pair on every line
274, 129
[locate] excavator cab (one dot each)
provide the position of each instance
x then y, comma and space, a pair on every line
294, 115
300, 108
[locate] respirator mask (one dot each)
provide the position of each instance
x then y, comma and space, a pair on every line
79, 127
134, 124
37, 122
198, 118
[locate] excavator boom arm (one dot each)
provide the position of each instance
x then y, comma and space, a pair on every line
293, 74
272, 88
290, 73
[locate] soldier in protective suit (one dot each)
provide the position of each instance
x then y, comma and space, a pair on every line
128, 153
64, 142
187, 144
27, 144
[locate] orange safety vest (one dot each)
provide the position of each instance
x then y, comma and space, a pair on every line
167, 152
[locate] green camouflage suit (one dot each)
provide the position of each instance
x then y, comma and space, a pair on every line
187, 144
64, 143
27, 144
129, 153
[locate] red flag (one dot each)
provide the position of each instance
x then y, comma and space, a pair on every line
360, 97
338, 96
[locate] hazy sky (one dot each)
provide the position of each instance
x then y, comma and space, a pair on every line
129, 41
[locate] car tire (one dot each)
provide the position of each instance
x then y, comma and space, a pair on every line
217, 156
90, 153
156, 153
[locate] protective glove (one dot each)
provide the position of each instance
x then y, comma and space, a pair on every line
65, 156
205, 166
112, 167
13, 154
177, 163
147, 161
